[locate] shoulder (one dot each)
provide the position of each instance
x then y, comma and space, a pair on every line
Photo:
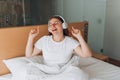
43, 38
70, 38
46, 36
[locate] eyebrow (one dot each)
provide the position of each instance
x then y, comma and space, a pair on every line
55, 22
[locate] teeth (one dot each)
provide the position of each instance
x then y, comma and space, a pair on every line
54, 30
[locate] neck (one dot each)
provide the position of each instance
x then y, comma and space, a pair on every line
58, 38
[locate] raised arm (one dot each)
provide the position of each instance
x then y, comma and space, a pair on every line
82, 50
30, 49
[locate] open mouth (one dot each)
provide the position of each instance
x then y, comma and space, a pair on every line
54, 30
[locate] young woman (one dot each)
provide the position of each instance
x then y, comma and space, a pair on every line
57, 48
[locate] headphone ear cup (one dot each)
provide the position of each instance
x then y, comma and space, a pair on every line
64, 25
49, 30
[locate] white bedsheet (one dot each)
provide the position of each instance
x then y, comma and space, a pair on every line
6, 77
103, 70
97, 69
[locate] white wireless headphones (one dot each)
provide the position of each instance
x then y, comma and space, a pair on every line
64, 24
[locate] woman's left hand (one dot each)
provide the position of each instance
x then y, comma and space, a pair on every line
76, 33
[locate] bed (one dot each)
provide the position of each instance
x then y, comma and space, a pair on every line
12, 37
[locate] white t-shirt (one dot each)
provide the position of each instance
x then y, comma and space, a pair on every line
56, 53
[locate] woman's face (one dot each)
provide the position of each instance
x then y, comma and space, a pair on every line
55, 26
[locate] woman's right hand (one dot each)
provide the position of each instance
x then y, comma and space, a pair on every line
34, 32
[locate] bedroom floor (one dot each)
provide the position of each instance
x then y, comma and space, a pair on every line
114, 62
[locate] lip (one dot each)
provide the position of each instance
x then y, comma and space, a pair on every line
54, 30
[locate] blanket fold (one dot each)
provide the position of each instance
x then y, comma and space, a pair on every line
69, 71
55, 69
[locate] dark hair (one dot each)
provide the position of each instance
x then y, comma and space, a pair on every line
57, 17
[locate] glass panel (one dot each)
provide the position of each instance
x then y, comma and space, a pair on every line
25, 12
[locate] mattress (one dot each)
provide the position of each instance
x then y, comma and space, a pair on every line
96, 69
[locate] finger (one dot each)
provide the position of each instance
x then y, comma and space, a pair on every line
72, 32
73, 28
32, 31
37, 29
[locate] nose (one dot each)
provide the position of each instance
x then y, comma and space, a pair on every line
53, 25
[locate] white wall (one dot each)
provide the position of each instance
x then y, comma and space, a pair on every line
94, 13
100, 36
112, 29
73, 10
59, 7
91, 10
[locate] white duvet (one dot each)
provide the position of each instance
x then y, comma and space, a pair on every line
36, 71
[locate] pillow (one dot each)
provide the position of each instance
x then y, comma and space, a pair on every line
18, 63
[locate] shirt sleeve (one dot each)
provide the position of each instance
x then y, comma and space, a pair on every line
74, 43
39, 43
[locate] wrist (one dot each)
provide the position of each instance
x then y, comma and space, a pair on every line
30, 38
80, 38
